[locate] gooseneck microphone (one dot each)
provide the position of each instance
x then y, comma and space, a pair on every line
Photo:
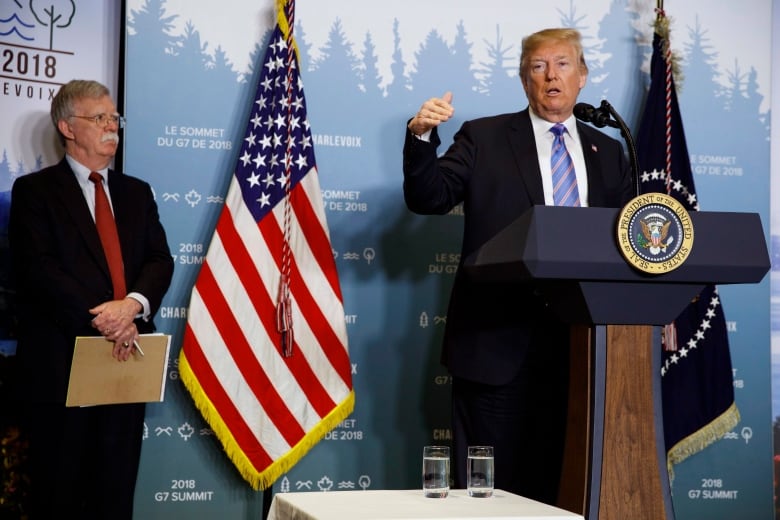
603, 116
600, 117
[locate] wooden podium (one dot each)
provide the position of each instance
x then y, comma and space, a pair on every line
615, 460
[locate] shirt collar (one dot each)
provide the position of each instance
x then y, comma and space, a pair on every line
82, 172
542, 126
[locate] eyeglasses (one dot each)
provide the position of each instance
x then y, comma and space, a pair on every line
102, 120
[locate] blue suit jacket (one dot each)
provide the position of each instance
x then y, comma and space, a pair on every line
60, 270
492, 167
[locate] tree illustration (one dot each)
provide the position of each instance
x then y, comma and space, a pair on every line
53, 14
441, 68
370, 72
151, 21
590, 47
500, 75
624, 82
462, 59
571, 20
151, 35
190, 51
6, 175
304, 48
755, 99
221, 71
338, 70
338, 58
399, 87
700, 65
742, 94
734, 92
20, 170
751, 91
743, 107
434, 69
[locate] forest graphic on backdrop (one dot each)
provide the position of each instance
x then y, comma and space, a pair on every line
344, 85
347, 94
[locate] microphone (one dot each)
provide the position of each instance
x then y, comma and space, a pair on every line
603, 116
600, 117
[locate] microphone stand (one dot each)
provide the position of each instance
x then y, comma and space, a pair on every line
624, 131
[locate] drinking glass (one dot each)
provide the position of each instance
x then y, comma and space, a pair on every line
479, 471
436, 471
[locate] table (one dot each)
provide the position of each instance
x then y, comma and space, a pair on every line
409, 504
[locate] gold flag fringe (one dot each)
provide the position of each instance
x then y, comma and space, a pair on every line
702, 438
265, 478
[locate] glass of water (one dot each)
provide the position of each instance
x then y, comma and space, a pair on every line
436, 471
479, 471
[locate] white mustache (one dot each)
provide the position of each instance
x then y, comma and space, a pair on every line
112, 136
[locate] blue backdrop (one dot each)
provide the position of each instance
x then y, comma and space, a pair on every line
188, 88
189, 79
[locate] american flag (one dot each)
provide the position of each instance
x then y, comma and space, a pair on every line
265, 354
696, 379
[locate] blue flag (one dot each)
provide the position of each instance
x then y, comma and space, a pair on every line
696, 378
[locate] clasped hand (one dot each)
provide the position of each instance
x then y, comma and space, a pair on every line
114, 321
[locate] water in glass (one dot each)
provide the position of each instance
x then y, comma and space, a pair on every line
436, 473
479, 471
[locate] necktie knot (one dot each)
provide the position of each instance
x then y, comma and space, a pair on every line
558, 129
95, 177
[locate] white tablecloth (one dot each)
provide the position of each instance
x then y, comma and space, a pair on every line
409, 504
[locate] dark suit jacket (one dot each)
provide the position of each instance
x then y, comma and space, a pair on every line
60, 270
492, 167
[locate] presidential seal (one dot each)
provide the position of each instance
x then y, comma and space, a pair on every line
655, 233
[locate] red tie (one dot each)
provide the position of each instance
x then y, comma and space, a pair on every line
106, 227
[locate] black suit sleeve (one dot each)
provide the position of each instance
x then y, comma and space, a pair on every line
431, 186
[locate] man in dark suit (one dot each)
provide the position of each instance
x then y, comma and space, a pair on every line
506, 351
83, 461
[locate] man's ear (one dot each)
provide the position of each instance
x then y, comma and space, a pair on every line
65, 129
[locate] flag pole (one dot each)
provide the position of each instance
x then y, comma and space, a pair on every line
268, 495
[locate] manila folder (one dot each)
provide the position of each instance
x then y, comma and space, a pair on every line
96, 377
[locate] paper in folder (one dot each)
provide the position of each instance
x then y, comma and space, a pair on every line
96, 377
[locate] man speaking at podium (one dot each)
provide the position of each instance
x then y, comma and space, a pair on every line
507, 353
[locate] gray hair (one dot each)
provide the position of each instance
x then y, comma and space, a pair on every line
62, 104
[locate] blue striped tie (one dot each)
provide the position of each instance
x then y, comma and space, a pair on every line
565, 191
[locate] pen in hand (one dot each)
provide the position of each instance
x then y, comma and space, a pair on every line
138, 347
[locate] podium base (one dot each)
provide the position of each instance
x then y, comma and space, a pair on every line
615, 462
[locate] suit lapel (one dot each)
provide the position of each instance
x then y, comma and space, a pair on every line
590, 151
523, 145
68, 189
